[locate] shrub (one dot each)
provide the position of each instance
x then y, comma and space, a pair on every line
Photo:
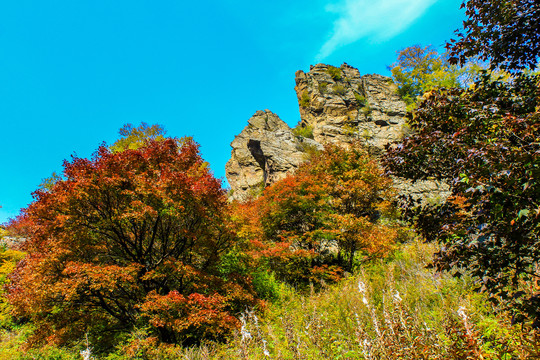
257, 189
334, 72
302, 130
350, 129
367, 134
366, 110
360, 98
339, 90
304, 99
323, 87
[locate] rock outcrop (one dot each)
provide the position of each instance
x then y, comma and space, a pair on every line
385, 122
263, 153
337, 105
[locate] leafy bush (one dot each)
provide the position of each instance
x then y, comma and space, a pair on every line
350, 128
366, 110
334, 72
362, 101
304, 99
339, 90
302, 130
323, 87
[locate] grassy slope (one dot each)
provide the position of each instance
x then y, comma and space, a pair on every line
396, 309
393, 310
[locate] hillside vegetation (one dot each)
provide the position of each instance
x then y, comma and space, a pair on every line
136, 253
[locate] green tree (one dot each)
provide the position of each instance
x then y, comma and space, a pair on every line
506, 33
421, 69
134, 137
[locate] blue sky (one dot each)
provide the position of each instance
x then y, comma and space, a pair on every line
73, 72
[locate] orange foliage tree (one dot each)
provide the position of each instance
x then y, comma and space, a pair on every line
312, 224
127, 239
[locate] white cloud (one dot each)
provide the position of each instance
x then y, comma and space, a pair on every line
377, 20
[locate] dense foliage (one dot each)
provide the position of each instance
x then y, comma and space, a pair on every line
391, 310
135, 137
485, 142
421, 69
8, 260
334, 210
507, 33
132, 238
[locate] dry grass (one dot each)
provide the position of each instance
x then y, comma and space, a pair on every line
394, 310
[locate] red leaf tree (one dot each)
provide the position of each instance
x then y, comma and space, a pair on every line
313, 225
485, 141
130, 238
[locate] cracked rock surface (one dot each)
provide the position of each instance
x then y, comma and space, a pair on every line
263, 153
339, 106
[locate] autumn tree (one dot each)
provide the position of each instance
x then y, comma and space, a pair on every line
485, 142
126, 239
132, 137
331, 210
421, 69
505, 33
8, 259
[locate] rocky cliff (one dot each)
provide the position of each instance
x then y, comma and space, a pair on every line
337, 105
264, 152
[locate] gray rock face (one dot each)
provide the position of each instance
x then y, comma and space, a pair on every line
427, 191
340, 106
385, 122
263, 153
330, 100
